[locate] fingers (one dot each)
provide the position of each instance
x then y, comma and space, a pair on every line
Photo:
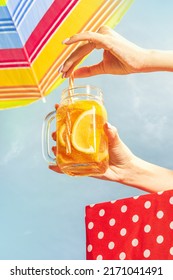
56, 106
112, 134
54, 135
88, 71
75, 58
97, 38
77, 55
71, 69
87, 36
55, 168
91, 40
54, 150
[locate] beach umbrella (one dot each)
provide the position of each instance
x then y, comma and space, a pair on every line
31, 35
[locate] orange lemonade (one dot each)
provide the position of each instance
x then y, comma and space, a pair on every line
82, 147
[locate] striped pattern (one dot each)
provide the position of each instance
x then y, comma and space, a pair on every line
31, 32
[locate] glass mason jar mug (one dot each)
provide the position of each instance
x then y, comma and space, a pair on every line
82, 146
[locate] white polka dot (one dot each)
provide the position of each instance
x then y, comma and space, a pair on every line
171, 251
92, 205
99, 257
135, 242
123, 208
171, 200
135, 218
147, 204
171, 225
112, 222
123, 231
111, 245
147, 228
146, 253
160, 214
113, 201
90, 225
100, 234
159, 193
159, 239
136, 196
122, 256
90, 247
101, 212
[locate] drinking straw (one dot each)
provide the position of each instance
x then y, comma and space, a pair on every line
71, 86
68, 119
68, 133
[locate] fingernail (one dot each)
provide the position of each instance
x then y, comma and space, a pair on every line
65, 40
60, 68
54, 134
54, 148
64, 75
109, 125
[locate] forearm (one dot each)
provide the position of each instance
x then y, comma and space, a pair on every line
157, 60
147, 176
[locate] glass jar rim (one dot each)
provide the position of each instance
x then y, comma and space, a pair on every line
90, 91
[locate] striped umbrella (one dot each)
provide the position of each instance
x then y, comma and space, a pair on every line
31, 32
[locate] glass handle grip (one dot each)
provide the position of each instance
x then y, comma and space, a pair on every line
46, 150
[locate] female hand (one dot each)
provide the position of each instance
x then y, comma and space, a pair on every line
120, 156
119, 56
128, 169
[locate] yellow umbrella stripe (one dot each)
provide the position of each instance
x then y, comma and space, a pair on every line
92, 25
53, 49
43, 76
3, 2
104, 16
8, 104
119, 13
11, 77
72, 24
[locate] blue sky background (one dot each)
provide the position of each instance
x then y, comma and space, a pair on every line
41, 212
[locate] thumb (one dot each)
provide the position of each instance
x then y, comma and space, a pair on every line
88, 71
112, 134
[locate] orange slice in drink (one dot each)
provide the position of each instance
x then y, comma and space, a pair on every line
62, 135
83, 132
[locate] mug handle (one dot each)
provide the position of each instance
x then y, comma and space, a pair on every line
46, 138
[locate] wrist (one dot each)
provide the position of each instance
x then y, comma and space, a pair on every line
146, 176
157, 60
137, 174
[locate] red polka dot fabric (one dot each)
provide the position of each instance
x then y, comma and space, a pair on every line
135, 228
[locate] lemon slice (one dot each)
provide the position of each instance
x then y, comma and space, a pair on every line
83, 136
62, 135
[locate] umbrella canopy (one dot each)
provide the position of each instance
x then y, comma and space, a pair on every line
31, 32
